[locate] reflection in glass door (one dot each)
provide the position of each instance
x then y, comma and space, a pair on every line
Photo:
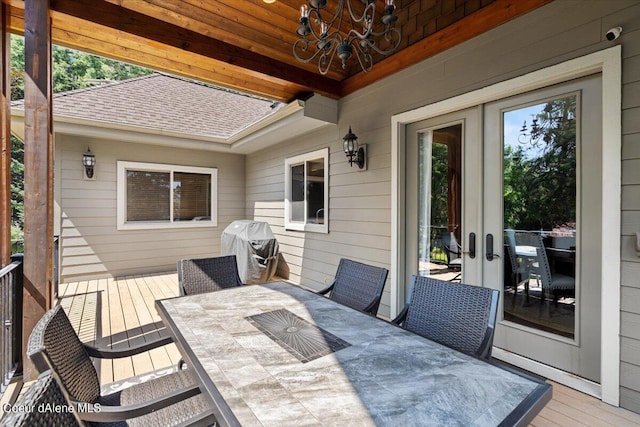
440, 212
542, 194
539, 203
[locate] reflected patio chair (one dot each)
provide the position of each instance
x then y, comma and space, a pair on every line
552, 283
172, 399
200, 275
453, 250
357, 285
520, 267
459, 316
43, 391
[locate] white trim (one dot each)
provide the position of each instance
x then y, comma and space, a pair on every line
607, 62
561, 377
123, 166
302, 159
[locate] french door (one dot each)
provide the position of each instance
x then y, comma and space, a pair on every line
507, 195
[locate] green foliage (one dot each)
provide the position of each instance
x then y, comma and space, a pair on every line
540, 186
71, 69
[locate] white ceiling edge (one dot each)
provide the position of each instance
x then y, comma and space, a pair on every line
297, 118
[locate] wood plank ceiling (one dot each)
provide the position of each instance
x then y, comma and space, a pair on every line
246, 44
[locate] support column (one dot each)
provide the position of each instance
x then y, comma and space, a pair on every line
5, 136
38, 163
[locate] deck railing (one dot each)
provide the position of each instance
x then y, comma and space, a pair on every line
11, 317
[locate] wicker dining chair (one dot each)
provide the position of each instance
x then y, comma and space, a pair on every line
42, 405
200, 275
172, 399
459, 316
357, 285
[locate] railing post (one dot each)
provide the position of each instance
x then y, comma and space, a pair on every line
18, 351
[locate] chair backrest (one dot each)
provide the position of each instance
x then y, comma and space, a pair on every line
54, 344
510, 240
201, 275
451, 246
454, 314
359, 285
43, 391
544, 268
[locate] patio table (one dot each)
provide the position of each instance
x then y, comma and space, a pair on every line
277, 354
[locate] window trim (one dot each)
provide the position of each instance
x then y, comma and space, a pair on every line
124, 166
294, 161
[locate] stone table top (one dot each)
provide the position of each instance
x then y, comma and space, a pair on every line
279, 355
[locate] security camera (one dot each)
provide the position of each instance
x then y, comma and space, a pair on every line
614, 33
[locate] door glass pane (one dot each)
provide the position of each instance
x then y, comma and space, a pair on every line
540, 223
440, 214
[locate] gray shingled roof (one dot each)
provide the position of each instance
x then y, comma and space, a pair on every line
166, 103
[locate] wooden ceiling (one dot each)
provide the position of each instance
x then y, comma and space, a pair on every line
247, 44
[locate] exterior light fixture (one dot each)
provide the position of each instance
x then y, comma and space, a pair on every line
88, 161
354, 153
323, 36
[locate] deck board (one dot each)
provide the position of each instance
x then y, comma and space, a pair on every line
114, 311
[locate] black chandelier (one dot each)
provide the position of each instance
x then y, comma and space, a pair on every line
544, 127
321, 37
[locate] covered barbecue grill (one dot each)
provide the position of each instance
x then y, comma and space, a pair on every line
255, 248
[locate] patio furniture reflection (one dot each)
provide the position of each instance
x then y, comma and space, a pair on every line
168, 400
520, 260
453, 250
284, 356
553, 283
199, 275
357, 285
460, 316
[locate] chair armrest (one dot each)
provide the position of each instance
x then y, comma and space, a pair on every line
401, 317
372, 306
327, 289
108, 353
120, 413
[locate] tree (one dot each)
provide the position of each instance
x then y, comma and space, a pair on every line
540, 183
71, 70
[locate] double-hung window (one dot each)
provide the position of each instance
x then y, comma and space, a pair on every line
154, 195
307, 192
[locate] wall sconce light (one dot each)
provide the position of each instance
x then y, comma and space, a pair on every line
88, 161
354, 153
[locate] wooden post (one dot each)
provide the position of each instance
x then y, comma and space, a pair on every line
38, 165
5, 136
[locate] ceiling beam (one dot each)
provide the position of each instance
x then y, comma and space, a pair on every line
126, 20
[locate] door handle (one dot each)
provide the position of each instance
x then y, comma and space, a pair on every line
472, 245
490, 254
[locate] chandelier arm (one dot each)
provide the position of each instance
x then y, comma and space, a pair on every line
323, 64
367, 63
392, 48
304, 48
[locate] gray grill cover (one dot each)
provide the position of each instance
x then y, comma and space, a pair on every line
255, 248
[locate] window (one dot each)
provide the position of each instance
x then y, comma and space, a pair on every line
164, 196
306, 206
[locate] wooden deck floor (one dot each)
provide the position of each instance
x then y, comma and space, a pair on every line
121, 311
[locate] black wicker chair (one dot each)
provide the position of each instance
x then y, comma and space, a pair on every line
43, 405
459, 316
357, 285
173, 399
200, 275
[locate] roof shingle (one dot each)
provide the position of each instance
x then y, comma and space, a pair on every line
165, 103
